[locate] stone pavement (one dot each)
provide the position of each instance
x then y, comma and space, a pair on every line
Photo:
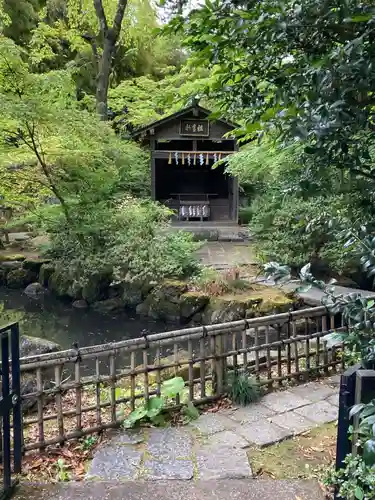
223, 255
176, 490
218, 445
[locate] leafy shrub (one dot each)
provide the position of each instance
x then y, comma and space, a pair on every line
127, 239
294, 231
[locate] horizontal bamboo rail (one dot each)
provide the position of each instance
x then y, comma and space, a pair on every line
77, 392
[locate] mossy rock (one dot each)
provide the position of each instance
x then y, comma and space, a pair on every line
132, 294
158, 307
20, 278
45, 272
192, 303
97, 287
35, 264
109, 305
171, 290
62, 284
11, 258
260, 301
163, 302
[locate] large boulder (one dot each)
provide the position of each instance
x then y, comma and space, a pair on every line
96, 288
132, 294
20, 278
63, 284
261, 300
35, 264
191, 304
163, 302
33, 346
34, 290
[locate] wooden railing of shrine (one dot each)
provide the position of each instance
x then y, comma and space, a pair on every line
70, 394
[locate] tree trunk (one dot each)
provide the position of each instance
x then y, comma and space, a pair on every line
104, 73
109, 37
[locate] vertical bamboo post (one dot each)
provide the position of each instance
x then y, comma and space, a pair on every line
112, 382
77, 379
39, 386
220, 365
158, 374
132, 381
202, 355
288, 348
244, 347
279, 357
59, 410
97, 392
296, 354
191, 371
325, 357
268, 357
256, 344
176, 362
146, 382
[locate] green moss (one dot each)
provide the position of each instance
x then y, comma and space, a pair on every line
11, 257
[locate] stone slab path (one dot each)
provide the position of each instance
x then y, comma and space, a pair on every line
218, 445
176, 490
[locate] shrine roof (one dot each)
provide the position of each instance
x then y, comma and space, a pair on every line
180, 114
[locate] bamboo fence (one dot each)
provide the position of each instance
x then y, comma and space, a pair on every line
77, 392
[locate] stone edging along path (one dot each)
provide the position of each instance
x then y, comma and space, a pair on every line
216, 445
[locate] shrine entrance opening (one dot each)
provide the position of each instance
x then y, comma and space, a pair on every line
184, 149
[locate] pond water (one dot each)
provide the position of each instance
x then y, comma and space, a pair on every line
56, 320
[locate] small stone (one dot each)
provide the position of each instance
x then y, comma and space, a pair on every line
174, 469
320, 413
170, 442
115, 463
220, 462
80, 304
211, 423
292, 421
280, 402
263, 433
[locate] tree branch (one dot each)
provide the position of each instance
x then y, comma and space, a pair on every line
121, 6
98, 5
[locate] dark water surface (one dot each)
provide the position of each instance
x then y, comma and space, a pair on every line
55, 320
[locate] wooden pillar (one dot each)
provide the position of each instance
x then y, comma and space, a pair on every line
153, 170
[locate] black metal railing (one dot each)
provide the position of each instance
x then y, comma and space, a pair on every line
10, 409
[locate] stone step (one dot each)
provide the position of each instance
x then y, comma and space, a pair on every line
253, 489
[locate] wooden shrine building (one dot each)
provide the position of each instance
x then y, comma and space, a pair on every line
184, 147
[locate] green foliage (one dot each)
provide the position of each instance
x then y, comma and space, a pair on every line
126, 238
157, 405
267, 72
355, 481
243, 389
62, 471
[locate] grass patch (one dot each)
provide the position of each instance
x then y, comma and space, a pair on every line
304, 457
